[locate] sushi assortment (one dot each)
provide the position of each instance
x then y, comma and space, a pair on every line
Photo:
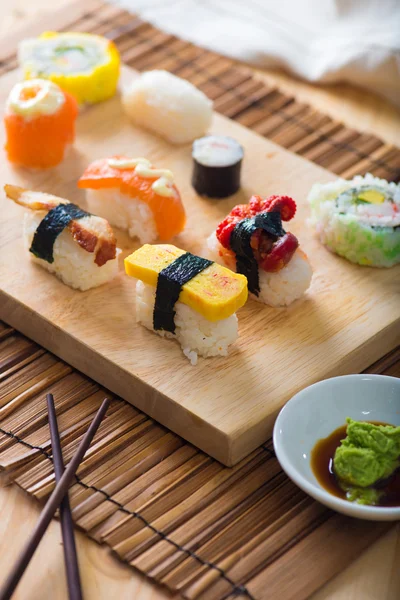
135, 196
40, 123
85, 65
78, 247
169, 106
251, 240
359, 219
179, 295
188, 298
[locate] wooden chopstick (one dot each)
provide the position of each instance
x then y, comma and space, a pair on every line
67, 524
51, 506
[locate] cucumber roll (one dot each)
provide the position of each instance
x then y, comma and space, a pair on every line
359, 219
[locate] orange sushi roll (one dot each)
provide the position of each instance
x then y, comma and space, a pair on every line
40, 123
135, 196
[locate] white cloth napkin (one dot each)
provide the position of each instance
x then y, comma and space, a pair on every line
320, 40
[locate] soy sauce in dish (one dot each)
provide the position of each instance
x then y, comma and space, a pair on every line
322, 466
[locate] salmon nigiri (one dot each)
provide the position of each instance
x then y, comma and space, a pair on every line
40, 123
135, 196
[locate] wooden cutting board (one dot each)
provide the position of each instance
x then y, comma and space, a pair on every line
349, 318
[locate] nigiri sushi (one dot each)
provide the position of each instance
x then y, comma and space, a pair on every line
169, 106
252, 241
78, 247
135, 196
188, 298
85, 65
40, 123
359, 219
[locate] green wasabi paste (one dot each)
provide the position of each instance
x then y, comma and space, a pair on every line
368, 454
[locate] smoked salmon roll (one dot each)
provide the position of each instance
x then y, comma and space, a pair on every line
135, 196
40, 123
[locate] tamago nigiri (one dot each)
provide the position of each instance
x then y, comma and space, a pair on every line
40, 123
187, 298
135, 196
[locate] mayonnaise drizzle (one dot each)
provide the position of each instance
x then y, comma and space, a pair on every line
163, 185
47, 100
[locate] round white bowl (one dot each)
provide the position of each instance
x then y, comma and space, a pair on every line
318, 410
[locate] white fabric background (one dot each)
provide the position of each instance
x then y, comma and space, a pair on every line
320, 40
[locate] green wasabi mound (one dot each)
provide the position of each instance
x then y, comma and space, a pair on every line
368, 454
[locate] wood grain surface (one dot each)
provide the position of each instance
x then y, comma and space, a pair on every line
348, 319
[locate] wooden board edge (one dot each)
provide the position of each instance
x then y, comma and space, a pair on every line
363, 357
119, 381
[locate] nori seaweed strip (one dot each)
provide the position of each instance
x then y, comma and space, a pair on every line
169, 284
240, 239
56, 220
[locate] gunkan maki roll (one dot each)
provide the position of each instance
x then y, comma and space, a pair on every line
217, 162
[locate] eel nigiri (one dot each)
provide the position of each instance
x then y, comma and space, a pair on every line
40, 123
186, 297
135, 196
252, 241
78, 247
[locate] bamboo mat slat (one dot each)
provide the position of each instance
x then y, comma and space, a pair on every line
240, 95
200, 529
161, 505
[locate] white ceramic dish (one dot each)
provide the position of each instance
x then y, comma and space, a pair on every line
318, 410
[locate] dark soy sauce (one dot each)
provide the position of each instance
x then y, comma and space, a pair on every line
322, 466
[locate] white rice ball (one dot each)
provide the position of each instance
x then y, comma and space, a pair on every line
72, 264
123, 211
196, 334
276, 289
168, 106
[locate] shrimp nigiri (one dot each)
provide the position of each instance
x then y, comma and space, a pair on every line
78, 247
135, 196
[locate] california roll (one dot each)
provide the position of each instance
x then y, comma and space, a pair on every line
359, 219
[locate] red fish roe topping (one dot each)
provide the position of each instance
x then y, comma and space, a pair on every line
271, 254
225, 229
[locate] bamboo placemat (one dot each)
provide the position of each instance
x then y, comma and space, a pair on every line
237, 93
164, 507
204, 530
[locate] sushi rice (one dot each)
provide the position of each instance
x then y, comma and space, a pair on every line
124, 211
280, 288
72, 264
364, 232
169, 106
196, 335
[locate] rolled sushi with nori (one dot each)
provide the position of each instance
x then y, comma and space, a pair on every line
359, 219
217, 161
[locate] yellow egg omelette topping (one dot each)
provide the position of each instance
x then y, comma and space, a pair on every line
85, 65
216, 293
